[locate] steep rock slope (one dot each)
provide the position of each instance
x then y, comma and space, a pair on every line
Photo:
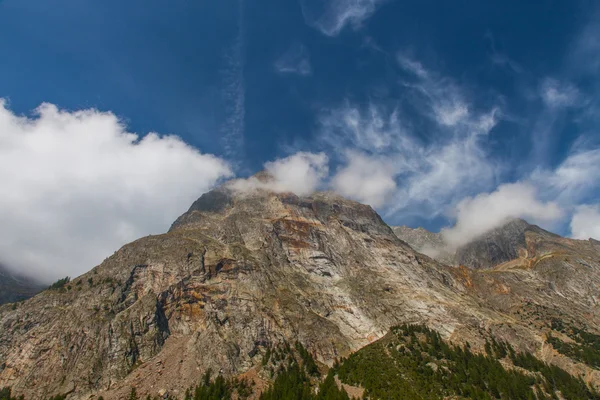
242, 271
499, 245
426, 242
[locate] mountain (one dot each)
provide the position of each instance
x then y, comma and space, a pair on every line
14, 287
502, 244
505, 243
426, 242
242, 273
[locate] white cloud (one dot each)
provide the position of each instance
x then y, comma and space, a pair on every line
574, 179
585, 223
557, 94
412, 66
441, 96
296, 60
366, 179
449, 170
479, 214
428, 176
452, 114
76, 186
301, 173
330, 17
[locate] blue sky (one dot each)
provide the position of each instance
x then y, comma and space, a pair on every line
434, 112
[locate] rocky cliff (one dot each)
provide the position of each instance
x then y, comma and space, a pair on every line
240, 272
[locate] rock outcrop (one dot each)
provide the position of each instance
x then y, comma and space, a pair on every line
426, 242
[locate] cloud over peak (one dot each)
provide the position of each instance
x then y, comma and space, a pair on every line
479, 214
301, 173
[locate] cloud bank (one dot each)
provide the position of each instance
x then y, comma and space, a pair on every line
76, 186
585, 223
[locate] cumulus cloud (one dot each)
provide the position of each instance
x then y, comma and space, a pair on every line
557, 94
296, 60
585, 222
77, 186
301, 173
479, 214
366, 179
330, 17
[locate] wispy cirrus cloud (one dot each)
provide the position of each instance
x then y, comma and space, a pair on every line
234, 92
331, 17
556, 94
411, 174
296, 60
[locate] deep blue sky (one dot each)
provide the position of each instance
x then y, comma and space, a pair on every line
186, 67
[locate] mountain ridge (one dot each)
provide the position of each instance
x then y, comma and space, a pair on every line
227, 281
15, 288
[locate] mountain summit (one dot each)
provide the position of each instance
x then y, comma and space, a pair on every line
242, 271
512, 240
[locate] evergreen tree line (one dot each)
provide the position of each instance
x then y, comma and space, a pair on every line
586, 348
411, 362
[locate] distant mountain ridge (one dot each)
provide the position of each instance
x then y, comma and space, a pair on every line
496, 246
14, 287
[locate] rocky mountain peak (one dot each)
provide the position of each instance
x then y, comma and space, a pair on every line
498, 245
501, 244
244, 271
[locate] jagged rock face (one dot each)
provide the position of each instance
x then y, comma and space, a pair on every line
426, 242
419, 238
498, 245
14, 287
239, 272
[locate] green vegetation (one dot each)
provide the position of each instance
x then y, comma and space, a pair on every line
293, 383
60, 284
6, 394
411, 362
309, 363
586, 346
219, 388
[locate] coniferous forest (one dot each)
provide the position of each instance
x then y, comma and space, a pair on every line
410, 362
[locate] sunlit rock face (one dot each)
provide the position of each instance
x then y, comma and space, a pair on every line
241, 271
